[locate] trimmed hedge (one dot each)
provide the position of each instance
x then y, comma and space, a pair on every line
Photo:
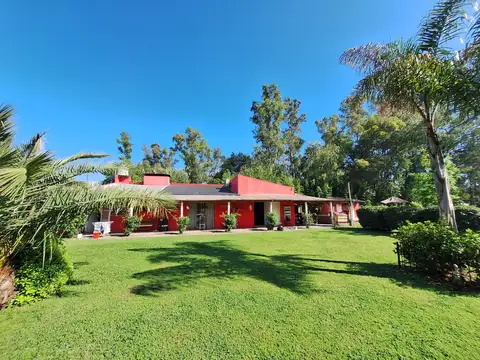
436, 249
390, 218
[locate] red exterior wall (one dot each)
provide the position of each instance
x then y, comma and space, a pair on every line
156, 180
172, 224
117, 224
119, 179
326, 208
220, 207
246, 185
282, 213
245, 210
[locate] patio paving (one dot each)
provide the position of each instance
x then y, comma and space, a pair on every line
150, 234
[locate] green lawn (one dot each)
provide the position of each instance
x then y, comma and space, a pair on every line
318, 294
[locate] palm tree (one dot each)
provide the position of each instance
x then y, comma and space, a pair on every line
39, 193
423, 76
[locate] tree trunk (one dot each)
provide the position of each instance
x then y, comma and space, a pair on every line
7, 288
440, 174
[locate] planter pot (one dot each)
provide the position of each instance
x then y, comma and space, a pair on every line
79, 236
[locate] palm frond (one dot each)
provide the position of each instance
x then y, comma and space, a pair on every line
474, 31
372, 57
12, 180
80, 156
442, 24
33, 147
64, 174
365, 58
6, 124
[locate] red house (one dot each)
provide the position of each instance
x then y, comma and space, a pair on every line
251, 198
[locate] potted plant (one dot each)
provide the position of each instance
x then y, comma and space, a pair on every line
307, 219
131, 223
271, 220
230, 221
182, 223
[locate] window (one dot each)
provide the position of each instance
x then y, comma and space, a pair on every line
339, 208
287, 213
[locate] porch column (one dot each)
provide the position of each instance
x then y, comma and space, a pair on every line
306, 207
331, 212
228, 208
181, 208
271, 206
130, 212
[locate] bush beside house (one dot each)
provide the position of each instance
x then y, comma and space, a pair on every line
271, 219
436, 249
390, 218
131, 223
230, 221
182, 223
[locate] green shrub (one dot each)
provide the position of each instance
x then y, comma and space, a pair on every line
307, 219
390, 218
56, 254
33, 282
230, 221
271, 220
371, 217
131, 223
73, 227
470, 254
468, 217
435, 248
182, 223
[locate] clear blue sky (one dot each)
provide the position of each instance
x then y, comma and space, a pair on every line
86, 70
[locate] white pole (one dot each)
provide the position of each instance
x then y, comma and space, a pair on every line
306, 207
350, 205
130, 211
181, 208
271, 206
331, 212
228, 208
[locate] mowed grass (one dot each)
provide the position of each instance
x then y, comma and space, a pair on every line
317, 294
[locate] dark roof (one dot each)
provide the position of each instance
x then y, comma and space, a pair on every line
193, 192
155, 174
199, 190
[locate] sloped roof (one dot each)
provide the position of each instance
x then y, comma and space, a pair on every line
198, 190
394, 200
208, 192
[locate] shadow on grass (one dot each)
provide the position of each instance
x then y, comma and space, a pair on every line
361, 231
78, 264
197, 260
193, 261
75, 282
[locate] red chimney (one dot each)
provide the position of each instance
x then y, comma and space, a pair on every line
121, 179
156, 179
